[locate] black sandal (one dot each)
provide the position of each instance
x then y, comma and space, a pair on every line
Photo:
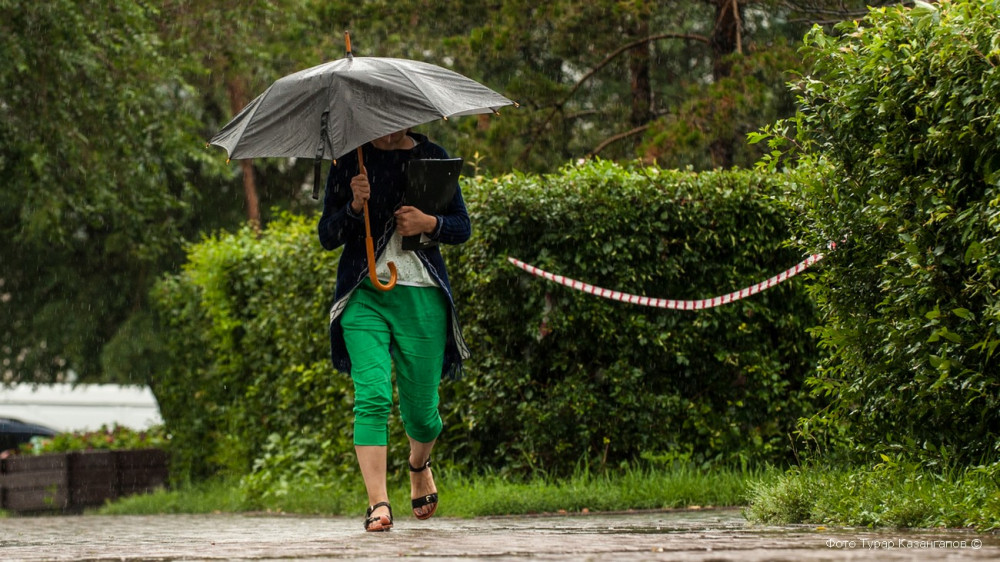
369, 520
429, 499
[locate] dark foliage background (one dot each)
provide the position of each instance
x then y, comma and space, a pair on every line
557, 377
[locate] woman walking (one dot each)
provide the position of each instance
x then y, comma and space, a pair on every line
413, 326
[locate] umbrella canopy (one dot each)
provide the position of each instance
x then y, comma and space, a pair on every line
328, 110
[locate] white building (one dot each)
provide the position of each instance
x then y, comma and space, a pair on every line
83, 407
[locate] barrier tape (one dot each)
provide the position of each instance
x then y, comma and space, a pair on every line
668, 303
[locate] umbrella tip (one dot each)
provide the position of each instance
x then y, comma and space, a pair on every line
347, 43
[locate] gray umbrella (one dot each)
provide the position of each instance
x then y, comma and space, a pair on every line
328, 110
364, 97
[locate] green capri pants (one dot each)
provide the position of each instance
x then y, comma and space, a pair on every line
407, 325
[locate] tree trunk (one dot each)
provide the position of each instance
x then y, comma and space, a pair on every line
250, 191
726, 40
238, 99
642, 92
726, 36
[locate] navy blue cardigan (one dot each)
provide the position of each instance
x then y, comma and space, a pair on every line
340, 226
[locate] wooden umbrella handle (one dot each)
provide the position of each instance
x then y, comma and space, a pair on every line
370, 244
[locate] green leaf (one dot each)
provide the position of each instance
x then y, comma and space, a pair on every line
963, 313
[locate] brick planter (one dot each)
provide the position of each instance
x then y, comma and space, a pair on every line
72, 481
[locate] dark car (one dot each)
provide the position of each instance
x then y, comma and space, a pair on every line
14, 432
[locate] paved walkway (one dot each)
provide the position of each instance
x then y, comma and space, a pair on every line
683, 535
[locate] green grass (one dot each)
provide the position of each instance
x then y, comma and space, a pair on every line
630, 489
206, 497
465, 496
881, 496
885, 495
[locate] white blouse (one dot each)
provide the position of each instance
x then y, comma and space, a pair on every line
409, 269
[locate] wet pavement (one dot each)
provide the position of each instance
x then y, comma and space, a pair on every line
674, 535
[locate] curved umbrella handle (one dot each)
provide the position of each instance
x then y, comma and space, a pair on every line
370, 244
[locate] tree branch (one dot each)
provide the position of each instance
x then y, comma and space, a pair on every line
607, 60
615, 138
839, 14
614, 54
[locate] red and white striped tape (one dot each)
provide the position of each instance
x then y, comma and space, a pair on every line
669, 303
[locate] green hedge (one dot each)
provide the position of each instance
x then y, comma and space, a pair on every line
557, 377
902, 115
244, 324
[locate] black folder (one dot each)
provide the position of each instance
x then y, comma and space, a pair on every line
430, 187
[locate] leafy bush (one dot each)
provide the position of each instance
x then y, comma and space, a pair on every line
115, 437
245, 324
901, 120
557, 376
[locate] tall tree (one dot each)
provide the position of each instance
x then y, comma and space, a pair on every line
231, 52
98, 149
595, 76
